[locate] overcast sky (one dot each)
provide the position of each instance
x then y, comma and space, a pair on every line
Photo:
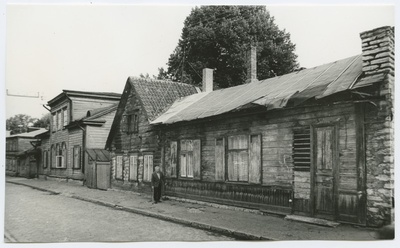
96, 47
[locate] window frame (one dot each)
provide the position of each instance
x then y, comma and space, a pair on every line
188, 154
65, 116
248, 158
54, 122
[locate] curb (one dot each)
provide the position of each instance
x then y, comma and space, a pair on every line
217, 229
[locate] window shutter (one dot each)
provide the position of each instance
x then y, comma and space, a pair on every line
133, 168
150, 161
255, 159
148, 167
172, 161
182, 164
196, 159
219, 159
302, 149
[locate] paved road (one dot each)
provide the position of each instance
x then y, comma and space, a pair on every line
36, 216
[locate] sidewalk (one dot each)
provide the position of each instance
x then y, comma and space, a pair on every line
239, 224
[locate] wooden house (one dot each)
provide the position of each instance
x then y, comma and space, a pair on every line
21, 156
80, 121
315, 142
135, 145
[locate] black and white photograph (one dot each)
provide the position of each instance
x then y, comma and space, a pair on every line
129, 123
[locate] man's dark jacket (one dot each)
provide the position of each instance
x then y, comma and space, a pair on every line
155, 181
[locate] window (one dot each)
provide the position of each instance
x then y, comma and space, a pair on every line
244, 158
220, 159
118, 168
130, 123
148, 167
302, 149
190, 158
133, 168
60, 155
54, 124
59, 120
76, 157
133, 123
65, 117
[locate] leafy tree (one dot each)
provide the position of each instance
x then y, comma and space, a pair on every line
218, 37
19, 123
44, 121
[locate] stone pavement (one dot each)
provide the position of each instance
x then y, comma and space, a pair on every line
225, 220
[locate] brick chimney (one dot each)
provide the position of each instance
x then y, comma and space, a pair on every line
208, 84
251, 64
378, 50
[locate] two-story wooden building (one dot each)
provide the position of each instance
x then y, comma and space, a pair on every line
80, 121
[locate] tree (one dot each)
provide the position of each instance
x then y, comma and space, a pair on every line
218, 37
44, 121
19, 123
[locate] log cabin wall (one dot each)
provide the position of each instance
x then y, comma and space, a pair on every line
283, 187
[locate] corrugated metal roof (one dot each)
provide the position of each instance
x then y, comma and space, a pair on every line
318, 82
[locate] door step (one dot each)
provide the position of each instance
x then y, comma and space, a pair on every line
310, 220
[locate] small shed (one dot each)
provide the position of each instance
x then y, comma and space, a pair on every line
99, 169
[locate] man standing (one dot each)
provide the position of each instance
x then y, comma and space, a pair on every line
157, 182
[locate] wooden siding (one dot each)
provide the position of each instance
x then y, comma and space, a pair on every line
276, 130
96, 136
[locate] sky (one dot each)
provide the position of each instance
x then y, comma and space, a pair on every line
95, 47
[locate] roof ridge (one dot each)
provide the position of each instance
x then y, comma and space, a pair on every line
160, 80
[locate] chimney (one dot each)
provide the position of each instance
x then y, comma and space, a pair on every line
208, 84
251, 64
378, 50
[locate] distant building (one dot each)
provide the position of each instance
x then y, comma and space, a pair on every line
80, 120
21, 156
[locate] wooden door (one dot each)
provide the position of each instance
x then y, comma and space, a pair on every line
324, 172
103, 175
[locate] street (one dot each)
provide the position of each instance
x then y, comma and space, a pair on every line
36, 216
